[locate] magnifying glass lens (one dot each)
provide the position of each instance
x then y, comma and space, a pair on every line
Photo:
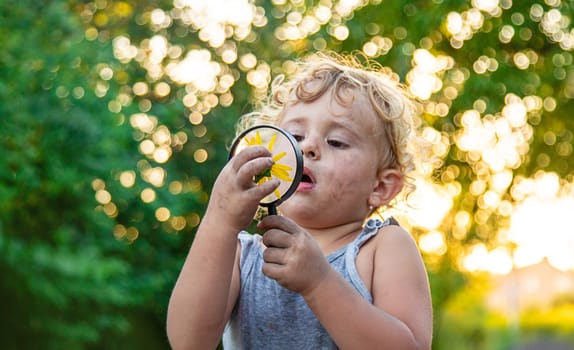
287, 158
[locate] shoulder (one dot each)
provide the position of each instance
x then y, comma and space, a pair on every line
395, 251
399, 270
391, 237
391, 249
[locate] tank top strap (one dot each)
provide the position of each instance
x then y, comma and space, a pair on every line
371, 228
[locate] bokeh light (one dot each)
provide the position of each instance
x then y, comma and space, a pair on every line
490, 145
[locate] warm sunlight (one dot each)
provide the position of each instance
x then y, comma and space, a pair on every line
427, 195
425, 77
215, 18
540, 228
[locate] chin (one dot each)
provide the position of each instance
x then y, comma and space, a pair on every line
298, 212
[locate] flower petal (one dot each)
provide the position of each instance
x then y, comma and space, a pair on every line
279, 156
280, 174
272, 142
282, 166
258, 138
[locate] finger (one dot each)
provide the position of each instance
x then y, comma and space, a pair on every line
253, 167
278, 222
272, 270
265, 189
274, 255
277, 238
247, 154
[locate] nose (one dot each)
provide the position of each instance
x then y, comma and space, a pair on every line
310, 148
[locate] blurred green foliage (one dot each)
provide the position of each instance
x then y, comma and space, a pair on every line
78, 272
65, 281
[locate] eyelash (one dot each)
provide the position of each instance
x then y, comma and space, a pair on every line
336, 144
330, 142
297, 138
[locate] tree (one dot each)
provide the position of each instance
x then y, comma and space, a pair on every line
65, 280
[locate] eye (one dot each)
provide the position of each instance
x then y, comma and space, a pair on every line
297, 137
336, 143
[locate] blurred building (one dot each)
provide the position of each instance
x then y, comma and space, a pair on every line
543, 345
531, 286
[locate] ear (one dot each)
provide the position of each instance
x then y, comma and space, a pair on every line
389, 184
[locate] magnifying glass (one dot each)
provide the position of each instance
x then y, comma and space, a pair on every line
287, 157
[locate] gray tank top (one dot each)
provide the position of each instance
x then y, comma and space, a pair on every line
269, 316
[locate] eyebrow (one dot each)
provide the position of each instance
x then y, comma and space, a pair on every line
346, 125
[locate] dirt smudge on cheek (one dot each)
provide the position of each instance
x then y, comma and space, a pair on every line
339, 190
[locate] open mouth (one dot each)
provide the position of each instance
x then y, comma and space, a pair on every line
307, 180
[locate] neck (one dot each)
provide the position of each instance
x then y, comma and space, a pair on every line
330, 239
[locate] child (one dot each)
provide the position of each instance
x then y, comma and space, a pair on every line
321, 276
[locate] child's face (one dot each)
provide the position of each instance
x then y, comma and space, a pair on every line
340, 147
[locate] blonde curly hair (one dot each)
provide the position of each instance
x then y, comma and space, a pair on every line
319, 73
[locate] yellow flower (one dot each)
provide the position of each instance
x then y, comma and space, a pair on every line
280, 171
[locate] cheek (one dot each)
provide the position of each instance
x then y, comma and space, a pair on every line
352, 182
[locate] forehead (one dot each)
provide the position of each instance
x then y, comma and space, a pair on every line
347, 107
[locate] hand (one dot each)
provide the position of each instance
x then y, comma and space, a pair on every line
292, 257
235, 196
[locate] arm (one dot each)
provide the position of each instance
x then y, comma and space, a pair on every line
208, 284
401, 314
